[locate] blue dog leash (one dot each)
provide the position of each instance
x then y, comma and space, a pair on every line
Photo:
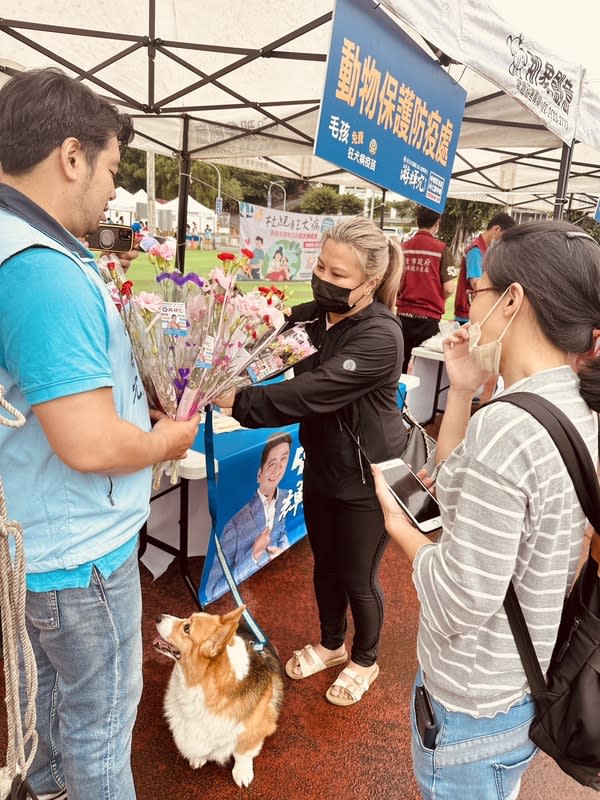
260, 641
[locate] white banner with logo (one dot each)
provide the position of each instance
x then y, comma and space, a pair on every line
511, 44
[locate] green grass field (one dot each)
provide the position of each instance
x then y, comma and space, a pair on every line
142, 274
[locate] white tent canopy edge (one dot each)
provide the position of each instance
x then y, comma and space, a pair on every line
243, 87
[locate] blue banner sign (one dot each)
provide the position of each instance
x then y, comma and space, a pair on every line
390, 114
597, 212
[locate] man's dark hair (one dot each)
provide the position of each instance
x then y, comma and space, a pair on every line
503, 220
259, 239
41, 108
273, 441
427, 217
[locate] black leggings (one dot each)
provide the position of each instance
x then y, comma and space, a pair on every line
348, 539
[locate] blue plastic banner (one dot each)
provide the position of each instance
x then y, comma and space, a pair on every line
390, 114
259, 503
597, 212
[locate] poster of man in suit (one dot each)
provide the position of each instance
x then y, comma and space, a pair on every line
256, 534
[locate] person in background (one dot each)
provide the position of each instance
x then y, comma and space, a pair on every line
428, 280
257, 533
471, 265
510, 513
207, 238
77, 475
344, 397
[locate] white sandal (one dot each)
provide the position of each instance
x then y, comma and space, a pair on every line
352, 683
310, 668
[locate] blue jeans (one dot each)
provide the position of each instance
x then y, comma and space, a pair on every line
474, 758
88, 648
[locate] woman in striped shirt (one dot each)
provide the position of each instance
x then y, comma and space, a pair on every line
509, 509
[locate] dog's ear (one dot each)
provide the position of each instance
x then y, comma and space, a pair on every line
233, 616
224, 633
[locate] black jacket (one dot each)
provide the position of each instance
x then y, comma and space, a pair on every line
353, 376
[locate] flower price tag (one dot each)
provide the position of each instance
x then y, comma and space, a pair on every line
173, 319
206, 354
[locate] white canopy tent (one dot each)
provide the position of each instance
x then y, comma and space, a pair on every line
240, 83
196, 212
124, 203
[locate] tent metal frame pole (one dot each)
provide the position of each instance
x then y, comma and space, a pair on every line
563, 180
184, 188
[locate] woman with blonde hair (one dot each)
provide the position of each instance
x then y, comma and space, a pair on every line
343, 395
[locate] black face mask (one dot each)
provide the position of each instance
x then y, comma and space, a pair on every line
331, 297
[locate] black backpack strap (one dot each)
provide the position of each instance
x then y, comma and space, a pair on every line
582, 471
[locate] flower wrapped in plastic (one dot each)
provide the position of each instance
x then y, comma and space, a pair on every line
285, 351
193, 338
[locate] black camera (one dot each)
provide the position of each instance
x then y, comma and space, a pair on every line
115, 238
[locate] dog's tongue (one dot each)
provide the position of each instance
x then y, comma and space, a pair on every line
163, 646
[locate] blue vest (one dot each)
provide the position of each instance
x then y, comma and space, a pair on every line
69, 517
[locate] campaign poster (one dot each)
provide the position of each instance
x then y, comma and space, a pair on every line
259, 508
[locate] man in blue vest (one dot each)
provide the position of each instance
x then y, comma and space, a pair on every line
77, 475
471, 267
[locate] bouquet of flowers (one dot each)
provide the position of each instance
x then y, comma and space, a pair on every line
193, 338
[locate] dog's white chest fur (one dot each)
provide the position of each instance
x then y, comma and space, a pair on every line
200, 735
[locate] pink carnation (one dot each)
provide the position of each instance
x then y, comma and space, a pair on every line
146, 301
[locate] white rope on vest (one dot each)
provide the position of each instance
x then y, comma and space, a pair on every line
22, 735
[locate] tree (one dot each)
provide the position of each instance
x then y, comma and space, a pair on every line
320, 200
351, 204
461, 220
588, 224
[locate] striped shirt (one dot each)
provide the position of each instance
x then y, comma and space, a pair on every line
509, 511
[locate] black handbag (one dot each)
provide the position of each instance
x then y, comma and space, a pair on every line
567, 721
420, 448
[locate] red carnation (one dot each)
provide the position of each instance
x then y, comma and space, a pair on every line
247, 253
127, 288
226, 256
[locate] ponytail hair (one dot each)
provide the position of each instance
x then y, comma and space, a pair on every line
377, 256
589, 382
387, 291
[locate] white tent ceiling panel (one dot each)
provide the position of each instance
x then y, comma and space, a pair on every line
249, 75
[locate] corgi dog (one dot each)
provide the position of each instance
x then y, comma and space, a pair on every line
223, 697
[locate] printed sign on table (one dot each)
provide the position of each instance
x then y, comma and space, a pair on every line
259, 508
390, 114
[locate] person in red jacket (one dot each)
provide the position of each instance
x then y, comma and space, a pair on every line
428, 280
471, 267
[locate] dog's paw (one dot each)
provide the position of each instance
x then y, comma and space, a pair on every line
243, 771
196, 763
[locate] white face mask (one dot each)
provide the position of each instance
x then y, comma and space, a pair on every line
486, 357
